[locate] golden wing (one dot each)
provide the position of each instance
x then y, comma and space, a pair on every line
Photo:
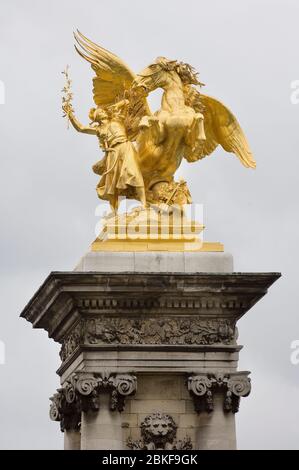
221, 127
113, 79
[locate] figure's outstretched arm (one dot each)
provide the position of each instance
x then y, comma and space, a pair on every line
77, 124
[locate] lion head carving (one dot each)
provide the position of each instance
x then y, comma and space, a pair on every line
158, 430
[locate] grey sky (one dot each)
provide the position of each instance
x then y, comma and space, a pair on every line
246, 53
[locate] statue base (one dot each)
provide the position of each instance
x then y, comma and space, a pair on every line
156, 245
158, 228
148, 338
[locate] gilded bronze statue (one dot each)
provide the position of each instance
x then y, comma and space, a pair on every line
142, 149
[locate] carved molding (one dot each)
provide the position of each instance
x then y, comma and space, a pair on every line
72, 341
82, 393
64, 298
174, 302
203, 386
149, 331
182, 330
158, 432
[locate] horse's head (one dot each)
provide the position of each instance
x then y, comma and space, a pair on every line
158, 75
152, 77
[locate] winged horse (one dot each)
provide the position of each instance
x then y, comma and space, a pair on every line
189, 124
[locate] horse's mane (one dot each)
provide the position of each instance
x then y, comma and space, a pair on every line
187, 74
193, 98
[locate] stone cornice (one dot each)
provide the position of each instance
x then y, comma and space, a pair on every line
66, 296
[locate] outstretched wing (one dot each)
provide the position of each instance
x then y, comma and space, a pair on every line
113, 76
113, 79
221, 127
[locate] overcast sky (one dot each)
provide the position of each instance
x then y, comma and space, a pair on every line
247, 55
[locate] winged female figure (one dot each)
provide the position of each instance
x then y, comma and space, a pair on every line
189, 124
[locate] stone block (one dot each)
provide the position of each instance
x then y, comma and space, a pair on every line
129, 419
106, 444
156, 262
150, 406
208, 262
188, 420
189, 405
159, 387
106, 261
183, 433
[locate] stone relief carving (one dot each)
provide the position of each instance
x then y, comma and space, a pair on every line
158, 432
171, 331
82, 393
182, 330
71, 342
158, 331
203, 386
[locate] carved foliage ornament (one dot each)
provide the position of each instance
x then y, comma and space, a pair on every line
72, 341
173, 331
158, 331
158, 432
82, 393
203, 386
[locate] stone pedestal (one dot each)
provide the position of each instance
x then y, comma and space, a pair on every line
148, 348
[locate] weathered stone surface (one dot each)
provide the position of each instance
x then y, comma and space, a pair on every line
216, 430
157, 262
182, 330
187, 308
148, 360
102, 430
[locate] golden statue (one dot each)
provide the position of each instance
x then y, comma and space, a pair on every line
119, 169
142, 149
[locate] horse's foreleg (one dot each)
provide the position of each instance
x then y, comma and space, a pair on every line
152, 128
196, 132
